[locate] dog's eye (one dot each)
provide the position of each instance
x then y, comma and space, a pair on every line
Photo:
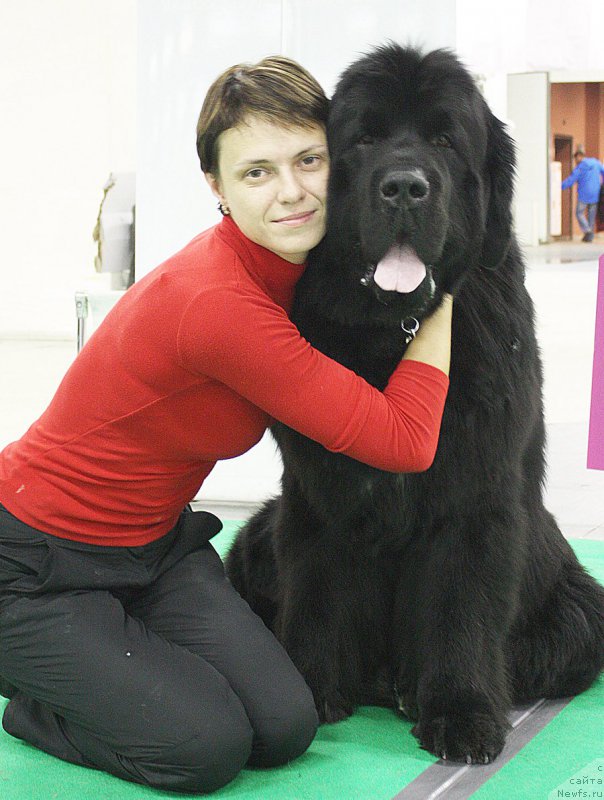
366, 138
442, 140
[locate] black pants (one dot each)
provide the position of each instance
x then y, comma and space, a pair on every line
143, 662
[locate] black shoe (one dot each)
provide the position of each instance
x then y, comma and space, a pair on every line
27, 719
589, 237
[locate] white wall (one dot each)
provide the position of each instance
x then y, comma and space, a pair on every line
528, 107
67, 111
527, 35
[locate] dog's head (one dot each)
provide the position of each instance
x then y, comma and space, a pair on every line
421, 178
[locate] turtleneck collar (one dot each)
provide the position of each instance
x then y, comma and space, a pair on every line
274, 274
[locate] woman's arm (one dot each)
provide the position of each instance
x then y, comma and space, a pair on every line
248, 343
432, 345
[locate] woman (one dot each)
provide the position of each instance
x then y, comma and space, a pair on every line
122, 645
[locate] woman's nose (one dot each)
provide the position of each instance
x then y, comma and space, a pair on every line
290, 188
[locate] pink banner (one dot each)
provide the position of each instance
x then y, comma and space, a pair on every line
595, 447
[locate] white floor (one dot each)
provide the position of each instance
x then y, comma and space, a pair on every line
562, 279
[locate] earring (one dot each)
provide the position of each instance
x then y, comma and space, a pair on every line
223, 209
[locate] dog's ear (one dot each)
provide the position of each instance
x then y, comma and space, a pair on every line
500, 169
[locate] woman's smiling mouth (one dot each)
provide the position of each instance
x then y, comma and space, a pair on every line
295, 219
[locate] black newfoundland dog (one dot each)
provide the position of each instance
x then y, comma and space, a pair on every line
450, 594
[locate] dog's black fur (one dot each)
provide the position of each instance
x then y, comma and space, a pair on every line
452, 590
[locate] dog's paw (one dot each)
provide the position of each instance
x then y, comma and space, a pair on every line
332, 707
473, 738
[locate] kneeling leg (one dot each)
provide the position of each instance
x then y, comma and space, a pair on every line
96, 687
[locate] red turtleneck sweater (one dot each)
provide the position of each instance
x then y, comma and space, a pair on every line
190, 367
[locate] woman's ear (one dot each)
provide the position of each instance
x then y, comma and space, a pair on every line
214, 185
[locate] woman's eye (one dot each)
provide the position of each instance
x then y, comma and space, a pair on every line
255, 173
442, 140
311, 161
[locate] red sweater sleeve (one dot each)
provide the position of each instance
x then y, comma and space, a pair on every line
247, 342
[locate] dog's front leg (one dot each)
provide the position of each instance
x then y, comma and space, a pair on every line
461, 611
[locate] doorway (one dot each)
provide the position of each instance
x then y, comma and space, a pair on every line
563, 152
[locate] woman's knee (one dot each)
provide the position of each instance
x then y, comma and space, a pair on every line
287, 733
212, 758
204, 762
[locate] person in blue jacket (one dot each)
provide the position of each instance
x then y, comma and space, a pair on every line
587, 177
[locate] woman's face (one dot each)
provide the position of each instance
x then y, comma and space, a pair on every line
273, 180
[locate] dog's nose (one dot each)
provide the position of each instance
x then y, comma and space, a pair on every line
404, 188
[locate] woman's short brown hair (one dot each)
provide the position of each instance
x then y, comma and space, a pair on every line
276, 89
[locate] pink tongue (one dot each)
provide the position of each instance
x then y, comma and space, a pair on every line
400, 270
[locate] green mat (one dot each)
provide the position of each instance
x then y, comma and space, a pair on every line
371, 756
